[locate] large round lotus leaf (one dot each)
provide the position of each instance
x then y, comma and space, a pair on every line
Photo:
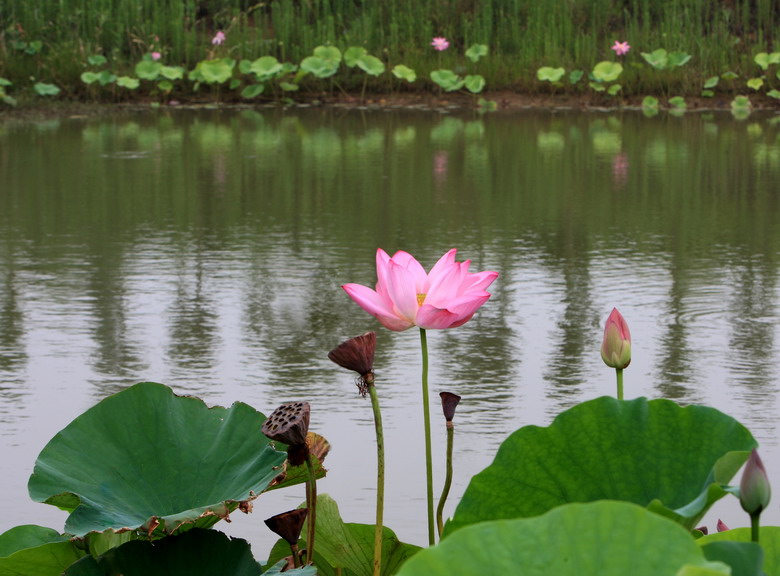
31, 550
768, 538
147, 459
600, 539
193, 553
652, 453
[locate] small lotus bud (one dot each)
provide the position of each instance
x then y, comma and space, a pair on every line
289, 423
288, 525
754, 489
722, 526
449, 402
616, 346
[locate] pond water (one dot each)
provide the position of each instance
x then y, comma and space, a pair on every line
205, 250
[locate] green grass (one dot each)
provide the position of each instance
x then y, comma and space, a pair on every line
522, 34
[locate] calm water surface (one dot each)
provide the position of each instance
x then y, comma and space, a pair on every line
205, 250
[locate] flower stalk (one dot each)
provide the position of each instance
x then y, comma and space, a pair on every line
448, 401
357, 354
427, 426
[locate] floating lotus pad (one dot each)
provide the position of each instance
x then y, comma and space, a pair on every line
596, 539
652, 453
146, 459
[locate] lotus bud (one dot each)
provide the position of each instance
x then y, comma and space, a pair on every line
616, 346
722, 526
357, 354
288, 525
754, 489
289, 424
449, 402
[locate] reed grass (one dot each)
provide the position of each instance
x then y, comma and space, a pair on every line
522, 34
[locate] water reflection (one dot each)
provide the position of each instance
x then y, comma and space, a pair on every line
206, 250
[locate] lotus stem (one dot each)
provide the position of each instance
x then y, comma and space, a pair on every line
311, 503
296, 559
754, 527
447, 480
427, 422
619, 373
380, 479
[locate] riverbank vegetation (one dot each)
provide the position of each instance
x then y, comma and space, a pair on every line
92, 49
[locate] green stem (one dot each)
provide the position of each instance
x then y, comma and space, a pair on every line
619, 372
447, 481
311, 503
380, 480
754, 524
427, 421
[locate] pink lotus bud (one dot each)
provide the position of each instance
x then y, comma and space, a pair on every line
156, 56
616, 346
754, 489
722, 526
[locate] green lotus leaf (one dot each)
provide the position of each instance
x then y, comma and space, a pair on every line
677, 59
755, 83
353, 54
476, 51
652, 453
575, 76
44, 89
474, 83
172, 72
764, 60
711, 82
148, 70
371, 65
404, 73
35, 551
252, 91
607, 71
194, 553
89, 77
128, 82
265, 68
216, 71
774, 94
678, 102
96, 60
319, 67
745, 558
600, 539
348, 546
147, 460
447, 80
650, 102
768, 537
658, 59
330, 53
550, 74
106, 77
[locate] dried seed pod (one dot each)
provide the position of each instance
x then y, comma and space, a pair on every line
289, 423
357, 354
288, 525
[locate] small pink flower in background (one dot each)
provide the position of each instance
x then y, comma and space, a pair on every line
722, 526
406, 296
219, 38
440, 44
156, 56
621, 48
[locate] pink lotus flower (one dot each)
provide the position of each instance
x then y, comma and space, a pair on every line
621, 48
156, 56
219, 38
440, 44
616, 346
405, 296
754, 489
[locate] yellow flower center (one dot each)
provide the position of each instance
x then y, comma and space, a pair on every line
420, 299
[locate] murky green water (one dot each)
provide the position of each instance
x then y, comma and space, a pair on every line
205, 250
